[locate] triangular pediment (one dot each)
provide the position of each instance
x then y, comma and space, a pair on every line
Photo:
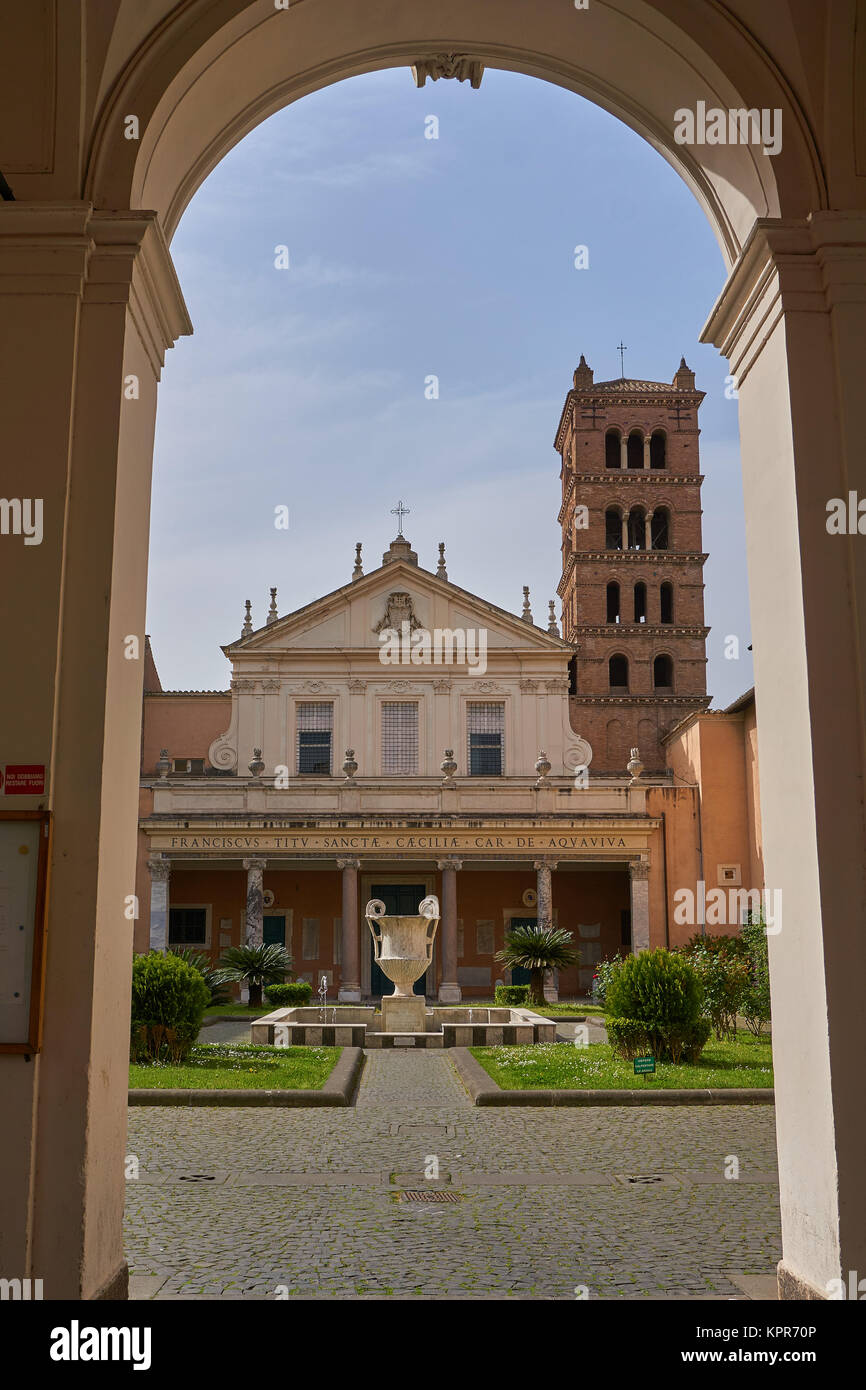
351, 618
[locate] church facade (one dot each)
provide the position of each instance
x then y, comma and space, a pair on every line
401, 736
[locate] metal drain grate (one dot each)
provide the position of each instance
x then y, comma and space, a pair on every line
645, 1178
197, 1177
436, 1195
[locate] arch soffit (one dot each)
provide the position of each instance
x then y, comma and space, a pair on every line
207, 74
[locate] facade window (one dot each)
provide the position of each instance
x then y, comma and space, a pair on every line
660, 529
636, 529
187, 926
315, 736
611, 449
613, 602
618, 672
640, 603
634, 449
658, 446
486, 733
189, 767
400, 738
663, 673
612, 529
666, 596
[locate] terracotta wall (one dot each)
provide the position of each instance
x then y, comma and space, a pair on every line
185, 724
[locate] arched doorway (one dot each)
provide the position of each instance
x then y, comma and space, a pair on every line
94, 306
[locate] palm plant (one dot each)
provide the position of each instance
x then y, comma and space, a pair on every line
256, 966
210, 973
537, 949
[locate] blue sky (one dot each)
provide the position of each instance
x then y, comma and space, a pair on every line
411, 257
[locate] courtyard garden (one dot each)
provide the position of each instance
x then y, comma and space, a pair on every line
744, 1062
238, 1067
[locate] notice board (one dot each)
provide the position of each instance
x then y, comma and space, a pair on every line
24, 844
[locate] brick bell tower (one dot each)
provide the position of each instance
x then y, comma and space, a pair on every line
632, 585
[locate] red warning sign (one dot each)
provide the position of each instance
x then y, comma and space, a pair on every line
24, 779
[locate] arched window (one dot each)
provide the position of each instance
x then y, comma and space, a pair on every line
612, 449
618, 672
666, 595
613, 602
660, 529
658, 445
635, 449
640, 602
612, 529
663, 673
637, 529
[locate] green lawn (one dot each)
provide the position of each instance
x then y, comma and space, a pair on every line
240, 1066
562, 1066
566, 1008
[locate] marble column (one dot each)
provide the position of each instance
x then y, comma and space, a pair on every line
640, 932
350, 967
646, 451
449, 989
544, 889
648, 531
255, 900
625, 531
160, 872
623, 451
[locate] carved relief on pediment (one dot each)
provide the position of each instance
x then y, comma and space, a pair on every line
399, 609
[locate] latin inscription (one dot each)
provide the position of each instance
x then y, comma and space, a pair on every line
320, 842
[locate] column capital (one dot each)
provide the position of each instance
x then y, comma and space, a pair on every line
451, 862
349, 864
546, 863
639, 869
255, 863
160, 869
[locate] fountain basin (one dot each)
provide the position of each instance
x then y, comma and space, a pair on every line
367, 1027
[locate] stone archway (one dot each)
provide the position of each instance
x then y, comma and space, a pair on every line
91, 305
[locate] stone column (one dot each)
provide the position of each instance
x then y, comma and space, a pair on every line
648, 531
640, 932
625, 531
623, 451
544, 888
160, 872
646, 451
255, 900
350, 968
449, 989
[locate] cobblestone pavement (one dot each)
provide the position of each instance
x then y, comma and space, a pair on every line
240, 1203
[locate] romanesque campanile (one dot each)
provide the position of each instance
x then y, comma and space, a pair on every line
632, 566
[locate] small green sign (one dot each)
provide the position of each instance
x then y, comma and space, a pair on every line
642, 1065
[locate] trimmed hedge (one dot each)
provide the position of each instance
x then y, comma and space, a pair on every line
653, 1003
294, 993
511, 996
630, 1038
169, 997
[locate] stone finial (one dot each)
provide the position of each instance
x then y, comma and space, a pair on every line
552, 626
441, 571
526, 615
163, 766
635, 766
542, 767
448, 765
273, 615
350, 767
358, 571
247, 628
256, 765
583, 375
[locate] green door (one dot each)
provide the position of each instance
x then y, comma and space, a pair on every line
274, 931
520, 976
401, 900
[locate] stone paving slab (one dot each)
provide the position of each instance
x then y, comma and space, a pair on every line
539, 1214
